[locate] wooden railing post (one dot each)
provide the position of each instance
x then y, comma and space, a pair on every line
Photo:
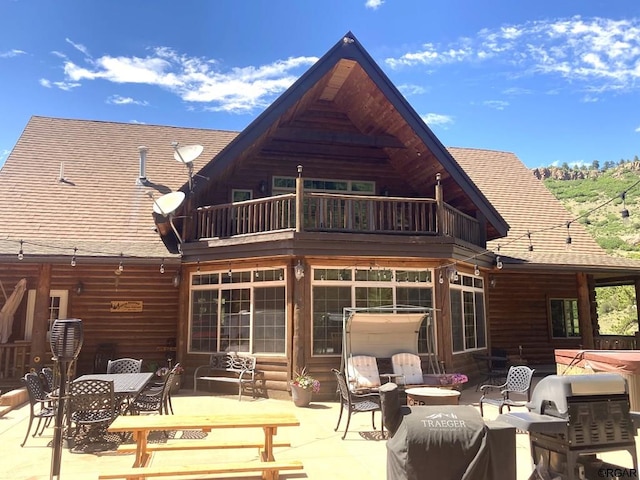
439, 205
299, 200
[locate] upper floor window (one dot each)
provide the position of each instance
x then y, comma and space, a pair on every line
564, 317
355, 187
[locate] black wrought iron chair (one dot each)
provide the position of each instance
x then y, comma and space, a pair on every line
493, 366
40, 405
92, 407
354, 403
518, 383
156, 398
48, 379
124, 365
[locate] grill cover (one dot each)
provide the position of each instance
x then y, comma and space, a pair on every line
448, 442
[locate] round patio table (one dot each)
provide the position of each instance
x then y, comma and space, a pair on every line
432, 396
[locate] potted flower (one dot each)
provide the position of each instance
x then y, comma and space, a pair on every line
303, 386
453, 380
177, 379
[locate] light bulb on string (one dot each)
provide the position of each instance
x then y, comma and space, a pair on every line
624, 213
476, 270
120, 265
162, 267
73, 258
530, 244
568, 240
21, 252
499, 264
440, 279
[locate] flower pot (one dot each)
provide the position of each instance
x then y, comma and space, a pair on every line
301, 396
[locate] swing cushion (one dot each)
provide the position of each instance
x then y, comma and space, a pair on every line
362, 372
409, 366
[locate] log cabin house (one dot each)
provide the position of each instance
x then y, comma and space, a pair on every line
337, 195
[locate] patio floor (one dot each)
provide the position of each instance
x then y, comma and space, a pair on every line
362, 455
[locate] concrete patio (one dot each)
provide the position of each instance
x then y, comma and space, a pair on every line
361, 455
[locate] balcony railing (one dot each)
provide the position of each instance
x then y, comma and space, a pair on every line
14, 360
615, 342
336, 213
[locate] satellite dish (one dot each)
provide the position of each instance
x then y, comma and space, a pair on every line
188, 153
169, 203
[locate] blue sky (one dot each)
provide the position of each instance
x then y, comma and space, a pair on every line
553, 81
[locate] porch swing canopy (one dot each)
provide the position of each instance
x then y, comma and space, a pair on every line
383, 333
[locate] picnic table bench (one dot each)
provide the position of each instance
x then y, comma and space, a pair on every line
229, 367
141, 426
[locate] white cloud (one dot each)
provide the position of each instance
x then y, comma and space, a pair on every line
436, 119
12, 53
81, 48
66, 86
637, 130
517, 91
496, 104
373, 4
599, 52
119, 100
193, 79
137, 122
408, 89
3, 155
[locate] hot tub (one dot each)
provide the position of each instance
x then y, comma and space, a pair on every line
624, 362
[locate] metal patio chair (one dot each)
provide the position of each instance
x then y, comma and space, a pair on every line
156, 398
518, 383
92, 406
124, 365
40, 405
354, 403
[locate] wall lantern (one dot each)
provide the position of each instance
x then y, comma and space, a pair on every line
79, 288
298, 270
262, 186
176, 279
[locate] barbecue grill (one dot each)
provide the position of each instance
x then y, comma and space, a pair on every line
572, 418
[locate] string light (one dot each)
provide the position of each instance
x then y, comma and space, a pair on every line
162, 266
120, 265
20, 252
624, 213
499, 264
73, 258
568, 239
440, 279
476, 270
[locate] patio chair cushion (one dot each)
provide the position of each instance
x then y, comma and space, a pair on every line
409, 366
362, 371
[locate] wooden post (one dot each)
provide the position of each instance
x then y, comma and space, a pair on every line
584, 311
442, 319
439, 205
299, 199
298, 323
40, 350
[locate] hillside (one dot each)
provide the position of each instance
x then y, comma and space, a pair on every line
596, 197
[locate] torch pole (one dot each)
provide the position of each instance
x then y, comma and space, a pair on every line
56, 459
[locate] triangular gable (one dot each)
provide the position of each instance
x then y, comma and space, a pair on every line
348, 48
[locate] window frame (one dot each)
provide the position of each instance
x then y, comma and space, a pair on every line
575, 320
221, 283
474, 285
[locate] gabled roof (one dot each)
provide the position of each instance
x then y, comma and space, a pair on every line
98, 209
348, 80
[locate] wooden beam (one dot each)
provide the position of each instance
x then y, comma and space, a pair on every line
342, 138
40, 351
584, 311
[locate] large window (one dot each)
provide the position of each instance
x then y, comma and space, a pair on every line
241, 311
334, 289
564, 317
467, 313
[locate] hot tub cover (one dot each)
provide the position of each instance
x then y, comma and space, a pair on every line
444, 442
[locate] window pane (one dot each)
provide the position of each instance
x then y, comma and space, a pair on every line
235, 323
480, 321
469, 320
269, 320
328, 305
373, 297
204, 321
456, 321
422, 297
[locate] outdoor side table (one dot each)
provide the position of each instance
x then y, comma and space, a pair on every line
432, 396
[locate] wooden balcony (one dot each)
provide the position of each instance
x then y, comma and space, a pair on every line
324, 212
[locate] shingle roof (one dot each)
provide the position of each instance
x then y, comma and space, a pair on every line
528, 206
99, 209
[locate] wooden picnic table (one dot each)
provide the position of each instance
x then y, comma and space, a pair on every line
142, 425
